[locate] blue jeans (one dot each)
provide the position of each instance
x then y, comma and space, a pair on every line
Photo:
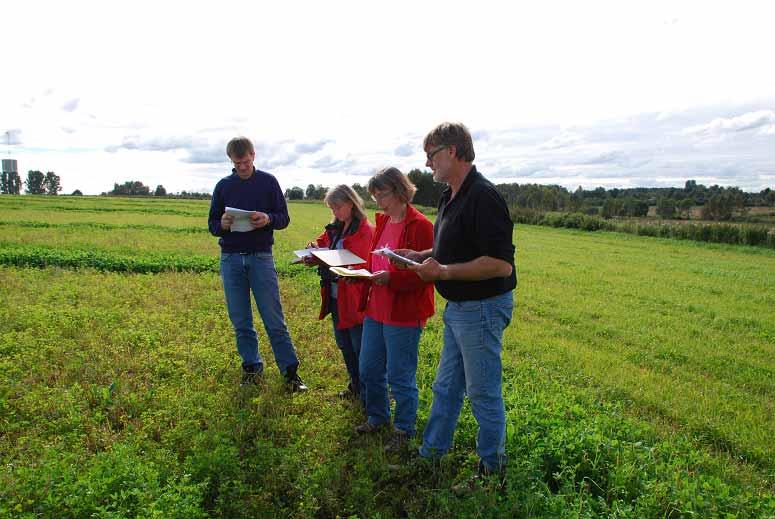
240, 274
471, 363
349, 342
389, 356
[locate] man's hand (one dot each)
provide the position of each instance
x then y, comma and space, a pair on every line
410, 254
259, 219
381, 277
430, 270
226, 221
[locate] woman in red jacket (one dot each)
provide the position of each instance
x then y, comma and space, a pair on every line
351, 230
397, 304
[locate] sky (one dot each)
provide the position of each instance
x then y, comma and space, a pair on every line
611, 94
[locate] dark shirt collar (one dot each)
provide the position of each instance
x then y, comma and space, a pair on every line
472, 176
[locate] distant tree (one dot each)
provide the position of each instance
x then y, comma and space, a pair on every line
77, 192
52, 183
685, 207
130, 188
611, 207
428, 190
690, 186
634, 208
35, 183
160, 191
294, 193
14, 183
719, 207
362, 191
316, 192
576, 201
666, 208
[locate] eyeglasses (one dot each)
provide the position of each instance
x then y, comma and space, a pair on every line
381, 196
431, 154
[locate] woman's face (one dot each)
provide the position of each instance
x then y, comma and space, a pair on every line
386, 199
342, 212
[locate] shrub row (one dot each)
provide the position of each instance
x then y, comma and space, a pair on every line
756, 235
41, 257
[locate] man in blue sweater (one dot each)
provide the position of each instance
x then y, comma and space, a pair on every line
247, 263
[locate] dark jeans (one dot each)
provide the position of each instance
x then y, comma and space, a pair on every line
349, 342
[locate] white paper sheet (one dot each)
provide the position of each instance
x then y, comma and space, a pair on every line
241, 219
385, 251
360, 273
337, 257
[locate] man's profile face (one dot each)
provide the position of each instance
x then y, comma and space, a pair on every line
439, 160
244, 165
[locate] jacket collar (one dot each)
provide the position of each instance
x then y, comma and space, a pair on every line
335, 227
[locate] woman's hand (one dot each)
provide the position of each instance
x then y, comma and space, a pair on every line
381, 277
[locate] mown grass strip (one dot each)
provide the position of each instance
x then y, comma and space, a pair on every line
94, 209
106, 226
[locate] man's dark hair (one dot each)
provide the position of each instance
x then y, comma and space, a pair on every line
239, 147
451, 134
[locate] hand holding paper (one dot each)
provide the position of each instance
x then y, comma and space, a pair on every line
241, 219
395, 258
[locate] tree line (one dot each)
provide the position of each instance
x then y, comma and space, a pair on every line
137, 188
36, 183
718, 203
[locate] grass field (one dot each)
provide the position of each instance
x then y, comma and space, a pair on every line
639, 377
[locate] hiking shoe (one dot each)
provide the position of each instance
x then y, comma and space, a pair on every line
367, 428
252, 378
293, 380
295, 384
397, 443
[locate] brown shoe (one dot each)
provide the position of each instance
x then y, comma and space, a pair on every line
398, 442
367, 428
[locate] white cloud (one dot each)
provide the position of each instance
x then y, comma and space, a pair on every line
312, 147
721, 126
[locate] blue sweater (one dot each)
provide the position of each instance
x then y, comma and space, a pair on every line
260, 192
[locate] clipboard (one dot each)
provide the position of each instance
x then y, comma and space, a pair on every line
337, 257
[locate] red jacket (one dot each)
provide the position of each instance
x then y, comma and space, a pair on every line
357, 240
414, 298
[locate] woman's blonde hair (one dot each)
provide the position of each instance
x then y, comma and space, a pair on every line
344, 193
391, 179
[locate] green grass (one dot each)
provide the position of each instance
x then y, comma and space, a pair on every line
638, 378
